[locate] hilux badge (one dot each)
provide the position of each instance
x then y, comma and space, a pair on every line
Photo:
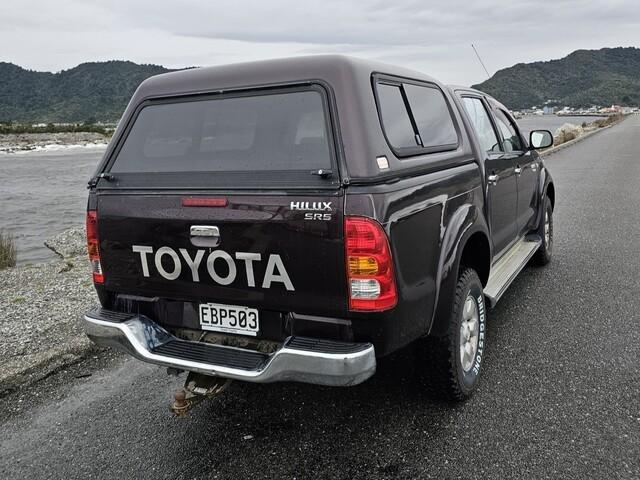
313, 210
311, 206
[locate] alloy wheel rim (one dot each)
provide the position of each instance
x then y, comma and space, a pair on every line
469, 329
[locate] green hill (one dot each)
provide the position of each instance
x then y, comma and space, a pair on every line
581, 79
101, 90
90, 91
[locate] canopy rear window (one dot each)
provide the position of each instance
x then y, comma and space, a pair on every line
272, 134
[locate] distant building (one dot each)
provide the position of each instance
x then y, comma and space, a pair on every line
546, 110
612, 109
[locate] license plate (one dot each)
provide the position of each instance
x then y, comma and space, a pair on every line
229, 319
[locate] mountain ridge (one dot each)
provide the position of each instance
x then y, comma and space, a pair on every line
91, 91
100, 91
583, 78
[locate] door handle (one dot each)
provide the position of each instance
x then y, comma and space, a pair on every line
205, 235
493, 178
518, 170
534, 166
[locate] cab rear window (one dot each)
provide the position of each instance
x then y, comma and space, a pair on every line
285, 131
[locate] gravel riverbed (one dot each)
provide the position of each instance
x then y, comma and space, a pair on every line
18, 142
40, 311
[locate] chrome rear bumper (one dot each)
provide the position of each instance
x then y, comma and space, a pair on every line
299, 359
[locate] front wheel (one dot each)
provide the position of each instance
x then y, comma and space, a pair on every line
454, 360
545, 231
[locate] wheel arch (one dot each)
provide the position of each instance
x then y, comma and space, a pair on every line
476, 254
551, 193
465, 242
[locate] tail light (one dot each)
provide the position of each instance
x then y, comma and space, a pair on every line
93, 246
372, 285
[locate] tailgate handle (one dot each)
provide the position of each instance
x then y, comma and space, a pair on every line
204, 231
205, 235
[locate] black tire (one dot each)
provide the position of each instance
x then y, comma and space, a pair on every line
543, 255
440, 357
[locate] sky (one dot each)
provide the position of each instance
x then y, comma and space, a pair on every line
433, 37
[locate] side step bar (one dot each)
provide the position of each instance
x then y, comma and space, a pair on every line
505, 271
302, 359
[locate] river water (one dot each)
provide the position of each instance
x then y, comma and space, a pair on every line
44, 193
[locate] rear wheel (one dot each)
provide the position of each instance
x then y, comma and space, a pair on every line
545, 231
453, 361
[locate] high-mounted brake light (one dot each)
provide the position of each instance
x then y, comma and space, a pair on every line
205, 202
372, 285
93, 246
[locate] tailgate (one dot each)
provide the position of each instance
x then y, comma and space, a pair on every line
277, 252
230, 197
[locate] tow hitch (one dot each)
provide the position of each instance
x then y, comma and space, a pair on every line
197, 387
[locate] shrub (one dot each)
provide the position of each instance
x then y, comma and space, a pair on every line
615, 118
610, 120
21, 128
8, 252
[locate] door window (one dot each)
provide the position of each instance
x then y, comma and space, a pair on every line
482, 124
512, 141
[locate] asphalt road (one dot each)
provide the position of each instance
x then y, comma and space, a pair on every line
559, 396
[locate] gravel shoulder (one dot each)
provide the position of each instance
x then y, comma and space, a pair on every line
40, 307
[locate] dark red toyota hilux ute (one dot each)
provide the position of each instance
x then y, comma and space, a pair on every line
297, 219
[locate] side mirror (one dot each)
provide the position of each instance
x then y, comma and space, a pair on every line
540, 139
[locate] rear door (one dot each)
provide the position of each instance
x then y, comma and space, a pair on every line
499, 174
526, 171
231, 198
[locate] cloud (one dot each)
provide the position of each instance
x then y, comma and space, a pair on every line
434, 37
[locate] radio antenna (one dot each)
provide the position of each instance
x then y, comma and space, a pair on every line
480, 60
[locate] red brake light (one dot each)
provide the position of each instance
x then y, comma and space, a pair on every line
93, 246
204, 202
372, 285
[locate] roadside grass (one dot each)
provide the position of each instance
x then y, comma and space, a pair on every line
610, 120
8, 251
89, 127
567, 136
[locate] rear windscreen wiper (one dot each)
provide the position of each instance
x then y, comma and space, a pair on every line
106, 175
